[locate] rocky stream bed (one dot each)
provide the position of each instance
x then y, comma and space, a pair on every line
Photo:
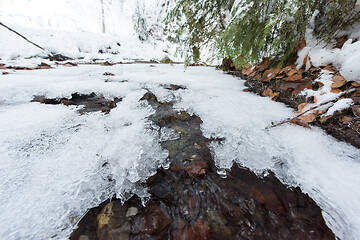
193, 200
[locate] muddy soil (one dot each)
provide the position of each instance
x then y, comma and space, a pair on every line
190, 200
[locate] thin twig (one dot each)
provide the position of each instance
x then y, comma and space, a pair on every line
313, 108
12, 30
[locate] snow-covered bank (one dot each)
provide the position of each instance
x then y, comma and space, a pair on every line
86, 30
52, 157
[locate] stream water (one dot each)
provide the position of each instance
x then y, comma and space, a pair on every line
59, 160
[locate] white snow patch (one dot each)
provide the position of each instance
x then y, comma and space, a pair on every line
340, 105
345, 59
77, 29
56, 163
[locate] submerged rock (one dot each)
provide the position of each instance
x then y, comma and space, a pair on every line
191, 201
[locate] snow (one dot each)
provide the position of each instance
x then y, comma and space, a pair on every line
345, 59
55, 162
58, 27
340, 105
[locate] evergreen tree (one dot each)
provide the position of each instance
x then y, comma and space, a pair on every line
197, 23
246, 31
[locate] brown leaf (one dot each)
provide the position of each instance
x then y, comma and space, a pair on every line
356, 110
355, 84
330, 68
294, 71
320, 83
307, 63
346, 119
315, 70
301, 45
258, 77
339, 81
290, 85
357, 92
5, 73
300, 123
198, 168
301, 106
304, 120
267, 93
268, 75
308, 118
301, 87
275, 96
280, 76
340, 41
263, 65
248, 70
252, 74
336, 90
288, 68
44, 66
295, 77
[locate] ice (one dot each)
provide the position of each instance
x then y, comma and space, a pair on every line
56, 163
168, 134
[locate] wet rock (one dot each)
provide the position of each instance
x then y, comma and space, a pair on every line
44, 66
106, 63
149, 96
90, 102
166, 60
108, 74
70, 64
174, 87
132, 211
83, 237
58, 57
112, 222
191, 201
197, 230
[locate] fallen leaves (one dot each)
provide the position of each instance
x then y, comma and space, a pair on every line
295, 77
330, 68
356, 111
355, 84
338, 81
269, 93
301, 107
196, 169
248, 70
336, 90
44, 66
108, 74
263, 65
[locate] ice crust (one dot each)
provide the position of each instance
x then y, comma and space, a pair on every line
56, 164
